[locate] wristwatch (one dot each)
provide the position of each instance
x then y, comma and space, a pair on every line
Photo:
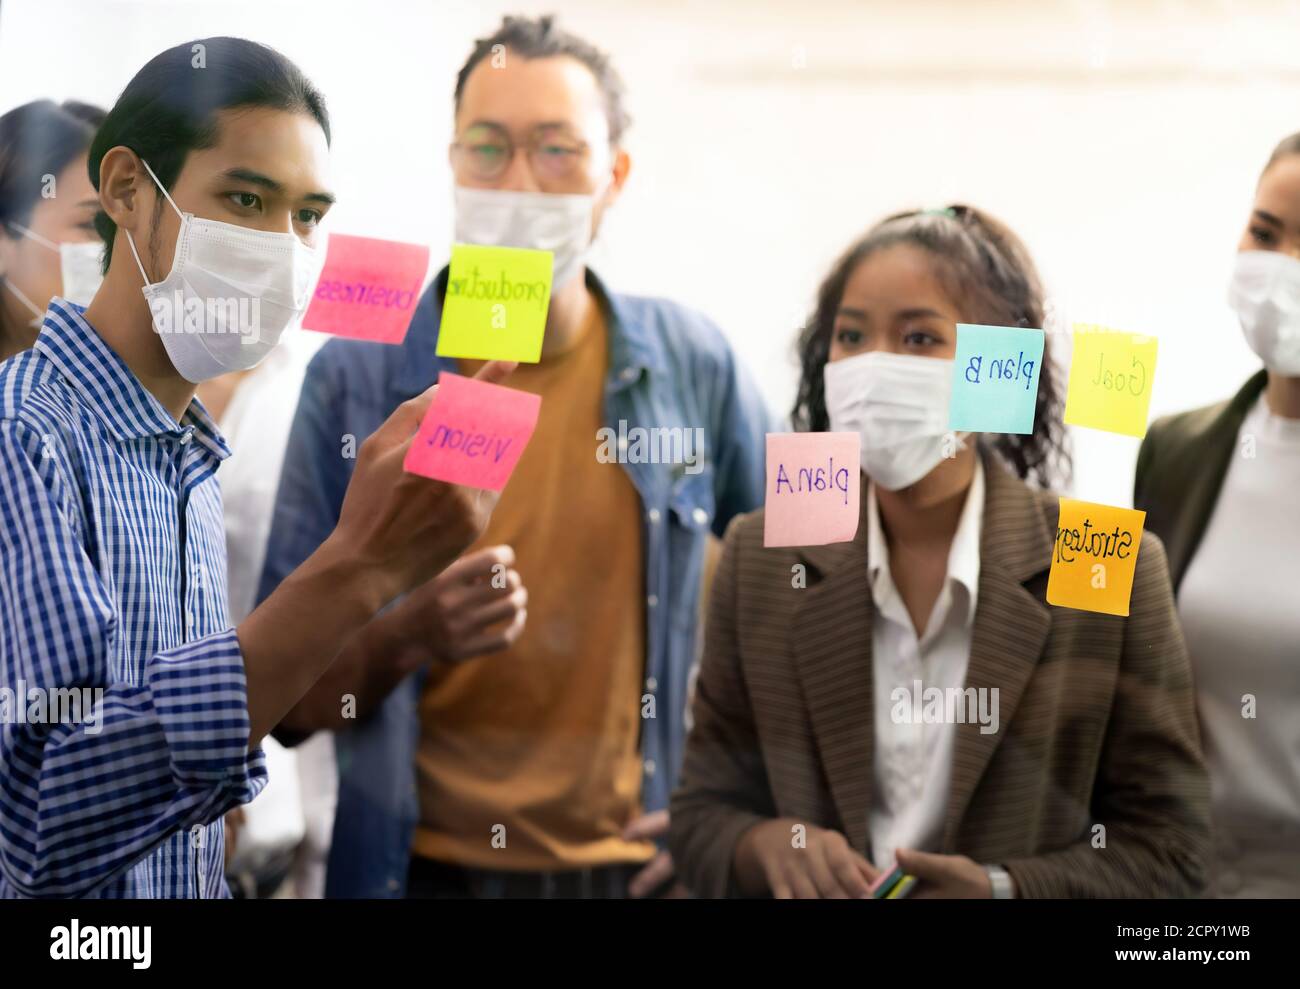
1001, 882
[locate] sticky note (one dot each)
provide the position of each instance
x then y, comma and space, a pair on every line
1094, 558
368, 289
1110, 380
496, 304
995, 379
474, 432
813, 489
886, 881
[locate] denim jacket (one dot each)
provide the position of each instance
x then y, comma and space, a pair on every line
668, 367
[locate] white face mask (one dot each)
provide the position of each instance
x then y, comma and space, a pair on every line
230, 295
1265, 293
79, 264
898, 405
542, 221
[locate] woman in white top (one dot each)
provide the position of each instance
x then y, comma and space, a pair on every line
1219, 486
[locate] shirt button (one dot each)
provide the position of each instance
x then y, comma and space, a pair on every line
651, 683
700, 516
185, 437
653, 515
649, 767
628, 373
393, 885
652, 600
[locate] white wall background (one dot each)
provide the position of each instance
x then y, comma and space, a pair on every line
1122, 140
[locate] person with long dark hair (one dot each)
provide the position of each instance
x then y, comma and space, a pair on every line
48, 242
1077, 770
1219, 486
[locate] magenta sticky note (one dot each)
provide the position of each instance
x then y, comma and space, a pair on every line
368, 288
473, 433
813, 489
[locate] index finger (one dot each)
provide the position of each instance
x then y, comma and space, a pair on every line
480, 562
404, 422
495, 372
650, 825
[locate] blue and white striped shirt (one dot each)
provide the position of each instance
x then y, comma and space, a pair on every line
113, 578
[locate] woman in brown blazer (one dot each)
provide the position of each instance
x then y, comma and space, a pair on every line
1219, 487
1069, 763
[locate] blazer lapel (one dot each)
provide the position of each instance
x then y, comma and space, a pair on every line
831, 637
1011, 625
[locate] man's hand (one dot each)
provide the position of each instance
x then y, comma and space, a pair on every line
234, 821
395, 532
405, 528
660, 869
949, 877
808, 864
478, 605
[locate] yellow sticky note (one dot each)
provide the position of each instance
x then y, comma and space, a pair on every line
496, 303
1095, 556
1110, 380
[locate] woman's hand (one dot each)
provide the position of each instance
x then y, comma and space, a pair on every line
804, 862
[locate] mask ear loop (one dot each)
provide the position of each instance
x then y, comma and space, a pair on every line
131, 240
40, 316
43, 241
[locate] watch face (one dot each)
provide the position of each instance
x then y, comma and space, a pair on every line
1000, 881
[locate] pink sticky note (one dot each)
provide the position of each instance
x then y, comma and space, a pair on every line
368, 289
812, 489
473, 433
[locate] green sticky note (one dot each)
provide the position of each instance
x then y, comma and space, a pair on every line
995, 379
496, 303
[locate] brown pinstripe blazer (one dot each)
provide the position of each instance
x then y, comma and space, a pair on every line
1097, 722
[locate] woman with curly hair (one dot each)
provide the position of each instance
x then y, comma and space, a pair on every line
1069, 763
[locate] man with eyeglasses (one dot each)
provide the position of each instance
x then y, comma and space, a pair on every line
544, 770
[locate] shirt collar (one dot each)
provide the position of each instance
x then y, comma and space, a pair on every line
963, 555
110, 388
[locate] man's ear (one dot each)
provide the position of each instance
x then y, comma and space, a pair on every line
122, 180
622, 166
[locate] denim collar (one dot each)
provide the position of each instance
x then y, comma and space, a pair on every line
633, 348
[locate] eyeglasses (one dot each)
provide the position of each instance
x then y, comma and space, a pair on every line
558, 158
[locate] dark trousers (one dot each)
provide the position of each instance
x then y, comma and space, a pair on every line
431, 880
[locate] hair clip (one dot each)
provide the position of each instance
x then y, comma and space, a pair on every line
946, 211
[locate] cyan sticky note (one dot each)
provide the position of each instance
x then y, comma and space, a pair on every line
995, 379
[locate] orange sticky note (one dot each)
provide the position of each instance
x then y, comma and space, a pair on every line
813, 489
1095, 556
1110, 380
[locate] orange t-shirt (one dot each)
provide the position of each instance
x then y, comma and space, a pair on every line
544, 738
